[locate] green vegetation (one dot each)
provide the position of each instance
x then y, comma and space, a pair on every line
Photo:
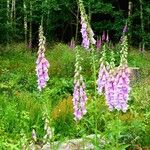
23, 106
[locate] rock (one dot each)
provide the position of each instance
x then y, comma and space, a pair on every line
73, 144
135, 74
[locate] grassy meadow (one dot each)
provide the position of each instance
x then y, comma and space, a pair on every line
24, 108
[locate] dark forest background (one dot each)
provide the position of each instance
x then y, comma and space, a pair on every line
20, 19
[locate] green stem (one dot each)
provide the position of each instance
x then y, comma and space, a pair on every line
95, 93
117, 129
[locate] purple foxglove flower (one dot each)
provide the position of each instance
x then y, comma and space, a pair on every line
103, 36
79, 99
102, 78
110, 85
85, 41
99, 43
125, 29
107, 37
110, 92
117, 86
42, 71
122, 88
72, 44
86, 31
117, 89
93, 41
42, 64
78, 114
79, 94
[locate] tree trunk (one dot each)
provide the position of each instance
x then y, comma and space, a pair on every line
30, 27
129, 22
14, 10
142, 25
77, 26
8, 12
25, 23
47, 22
8, 19
13, 16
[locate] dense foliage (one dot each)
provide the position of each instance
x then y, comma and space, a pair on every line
99, 89
22, 105
20, 19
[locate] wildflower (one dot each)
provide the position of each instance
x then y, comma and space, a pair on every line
49, 131
122, 80
91, 33
122, 88
72, 44
34, 135
124, 51
42, 70
107, 37
117, 88
102, 78
49, 134
79, 100
85, 41
103, 36
115, 81
42, 63
112, 62
125, 29
110, 91
86, 31
99, 43
109, 86
103, 72
79, 94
